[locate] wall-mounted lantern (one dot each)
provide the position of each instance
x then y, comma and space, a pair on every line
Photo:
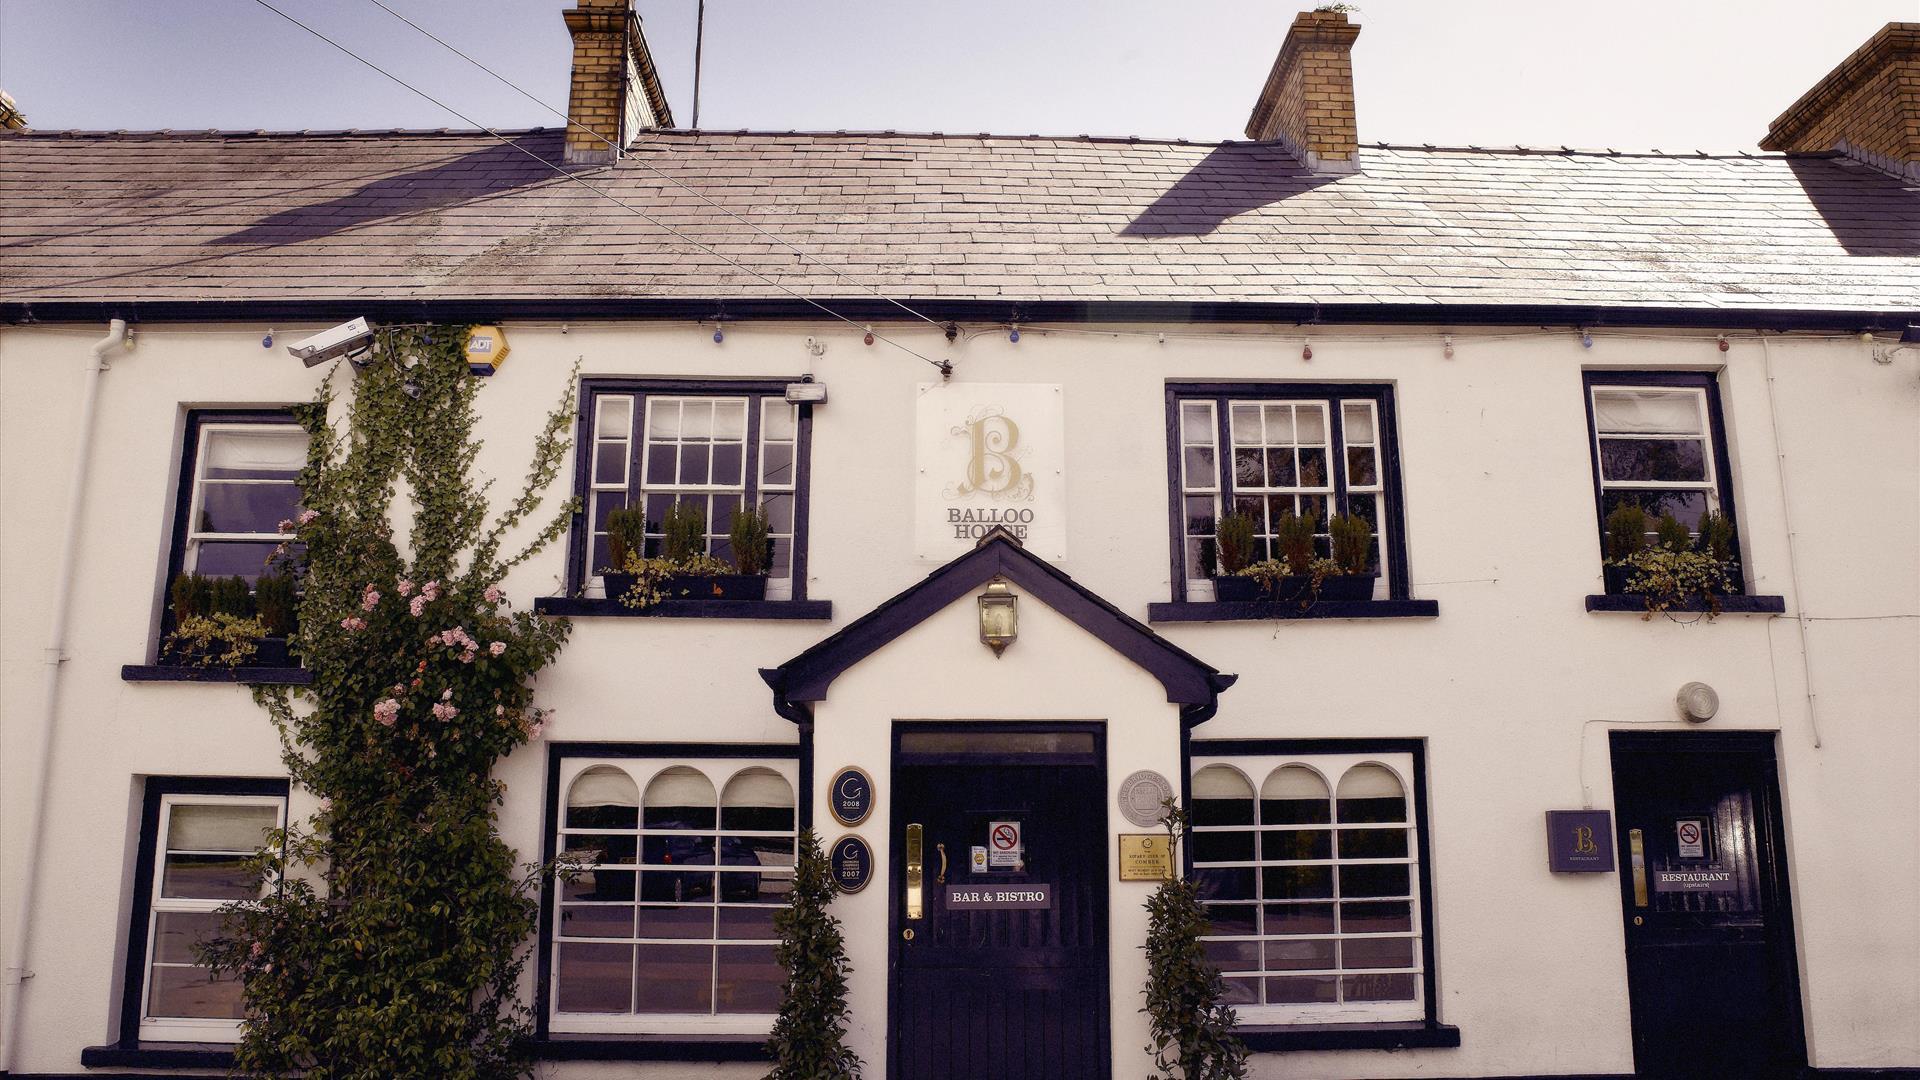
999, 617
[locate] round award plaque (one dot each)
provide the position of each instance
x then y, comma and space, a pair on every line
1141, 796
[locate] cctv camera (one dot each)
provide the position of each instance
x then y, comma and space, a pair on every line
327, 344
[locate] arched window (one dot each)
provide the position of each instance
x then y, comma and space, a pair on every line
1312, 888
670, 919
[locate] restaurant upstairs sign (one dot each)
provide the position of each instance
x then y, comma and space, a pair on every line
989, 454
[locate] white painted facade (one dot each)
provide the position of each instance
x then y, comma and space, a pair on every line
1513, 687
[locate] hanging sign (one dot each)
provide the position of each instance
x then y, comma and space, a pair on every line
989, 454
1579, 841
850, 796
1145, 857
1005, 849
1692, 836
852, 862
1036, 895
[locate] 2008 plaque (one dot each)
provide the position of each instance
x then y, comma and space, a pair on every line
850, 797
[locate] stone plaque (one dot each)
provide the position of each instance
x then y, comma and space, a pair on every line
1141, 795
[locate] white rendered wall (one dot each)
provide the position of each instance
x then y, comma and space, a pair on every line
1514, 686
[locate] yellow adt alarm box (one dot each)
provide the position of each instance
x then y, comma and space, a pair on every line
486, 349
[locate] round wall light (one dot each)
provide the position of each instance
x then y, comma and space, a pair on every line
1697, 702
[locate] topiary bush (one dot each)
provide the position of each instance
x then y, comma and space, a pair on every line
1673, 535
809, 1035
685, 532
1352, 543
752, 541
626, 537
1234, 541
1626, 531
394, 943
1192, 1028
1293, 535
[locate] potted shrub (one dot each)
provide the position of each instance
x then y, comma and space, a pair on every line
626, 540
684, 570
274, 603
1353, 555
213, 623
1626, 537
1681, 568
1299, 572
1234, 546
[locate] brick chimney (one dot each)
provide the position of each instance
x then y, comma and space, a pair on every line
615, 91
1867, 108
1307, 104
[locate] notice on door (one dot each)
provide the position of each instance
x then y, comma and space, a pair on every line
1006, 850
1692, 836
988, 897
1707, 879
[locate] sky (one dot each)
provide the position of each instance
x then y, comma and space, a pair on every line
1628, 74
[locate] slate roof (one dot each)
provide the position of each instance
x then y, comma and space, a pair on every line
459, 215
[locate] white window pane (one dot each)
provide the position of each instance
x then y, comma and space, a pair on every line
236, 827
1357, 420
1311, 425
663, 419
1280, 425
1247, 430
779, 421
680, 798
603, 785
696, 420
265, 455
1294, 782
1633, 410
616, 417
730, 420
1221, 782
1196, 422
192, 991
758, 788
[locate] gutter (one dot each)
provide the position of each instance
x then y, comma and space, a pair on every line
1892, 320
55, 658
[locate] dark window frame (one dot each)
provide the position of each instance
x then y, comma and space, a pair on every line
635, 1046
140, 917
1707, 381
1393, 538
579, 536
189, 453
1362, 1035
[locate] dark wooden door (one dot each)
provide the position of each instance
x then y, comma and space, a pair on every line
1709, 932
998, 992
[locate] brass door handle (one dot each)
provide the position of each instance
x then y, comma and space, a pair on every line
942, 849
915, 888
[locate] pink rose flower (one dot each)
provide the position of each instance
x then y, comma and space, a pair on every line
467, 657
497, 648
326, 804
431, 590
368, 599
353, 623
444, 711
403, 587
258, 949
447, 694
386, 710
307, 516
286, 525
493, 594
418, 605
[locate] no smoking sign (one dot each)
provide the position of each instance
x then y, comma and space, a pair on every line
1005, 847
1692, 834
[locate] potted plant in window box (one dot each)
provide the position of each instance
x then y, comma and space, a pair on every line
1233, 546
1626, 528
1299, 572
684, 570
213, 623
1681, 568
626, 539
275, 603
1353, 556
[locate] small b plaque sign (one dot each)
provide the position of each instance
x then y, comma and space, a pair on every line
1579, 841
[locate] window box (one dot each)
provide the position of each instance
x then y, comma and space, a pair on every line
603, 607
1265, 450
247, 674
1255, 610
1742, 604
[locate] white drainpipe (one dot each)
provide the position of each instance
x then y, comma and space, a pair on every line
16, 956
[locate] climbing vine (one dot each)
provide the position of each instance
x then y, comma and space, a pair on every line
394, 941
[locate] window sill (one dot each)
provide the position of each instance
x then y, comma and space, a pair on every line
269, 676
650, 1048
819, 610
1251, 610
1411, 1035
1636, 604
155, 1055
